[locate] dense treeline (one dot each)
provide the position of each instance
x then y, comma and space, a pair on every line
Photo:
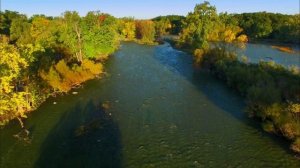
260, 26
43, 56
269, 26
170, 24
272, 92
141, 31
204, 26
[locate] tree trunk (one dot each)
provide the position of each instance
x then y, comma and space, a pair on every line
79, 56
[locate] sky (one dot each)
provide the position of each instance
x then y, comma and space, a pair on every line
145, 9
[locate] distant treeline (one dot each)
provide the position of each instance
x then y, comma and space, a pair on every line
174, 22
269, 26
260, 26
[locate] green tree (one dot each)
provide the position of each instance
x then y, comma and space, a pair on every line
99, 35
127, 28
71, 34
175, 21
162, 27
6, 19
20, 31
198, 25
44, 31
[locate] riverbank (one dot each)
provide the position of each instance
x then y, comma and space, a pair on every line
272, 92
162, 113
61, 79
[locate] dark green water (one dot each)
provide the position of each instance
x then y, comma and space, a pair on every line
162, 114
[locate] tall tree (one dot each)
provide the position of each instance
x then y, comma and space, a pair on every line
20, 31
13, 101
162, 27
99, 35
198, 25
127, 28
145, 31
71, 34
6, 19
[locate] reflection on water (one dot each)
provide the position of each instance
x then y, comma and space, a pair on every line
159, 112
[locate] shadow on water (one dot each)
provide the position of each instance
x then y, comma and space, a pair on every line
217, 92
85, 136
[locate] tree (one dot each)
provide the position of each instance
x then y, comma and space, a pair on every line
20, 31
71, 34
256, 25
198, 25
99, 35
13, 102
6, 18
145, 31
44, 31
204, 25
289, 30
162, 27
127, 28
175, 23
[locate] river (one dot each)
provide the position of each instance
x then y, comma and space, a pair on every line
160, 112
264, 52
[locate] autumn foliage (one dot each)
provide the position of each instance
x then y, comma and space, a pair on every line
272, 92
63, 78
145, 31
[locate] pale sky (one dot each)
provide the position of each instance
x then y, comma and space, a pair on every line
144, 9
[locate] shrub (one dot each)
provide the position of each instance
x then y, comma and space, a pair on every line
63, 78
296, 145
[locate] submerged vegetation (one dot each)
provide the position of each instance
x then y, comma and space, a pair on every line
272, 92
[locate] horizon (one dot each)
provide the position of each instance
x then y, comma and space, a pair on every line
145, 9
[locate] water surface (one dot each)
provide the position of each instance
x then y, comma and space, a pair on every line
161, 113
265, 52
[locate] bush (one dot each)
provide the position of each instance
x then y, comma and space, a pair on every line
198, 56
296, 145
63, 78
145, 31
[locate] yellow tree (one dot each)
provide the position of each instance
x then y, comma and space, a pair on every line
44, 31
145, 30
162, 27
127, 28
13, 101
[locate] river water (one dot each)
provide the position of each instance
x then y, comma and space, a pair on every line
160, 112
264, 52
